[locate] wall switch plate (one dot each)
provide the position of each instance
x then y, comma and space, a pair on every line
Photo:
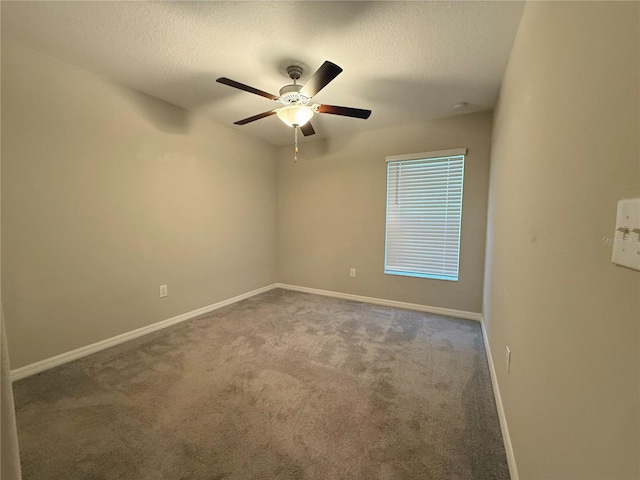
626, 240
508, 359
163, 291
352, 273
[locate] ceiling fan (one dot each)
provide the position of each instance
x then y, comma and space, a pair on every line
295, 110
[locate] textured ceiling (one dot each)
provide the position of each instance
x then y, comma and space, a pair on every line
406, 61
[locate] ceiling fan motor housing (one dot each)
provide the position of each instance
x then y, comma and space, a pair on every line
290, 95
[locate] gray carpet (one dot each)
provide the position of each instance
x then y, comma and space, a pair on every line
284, 385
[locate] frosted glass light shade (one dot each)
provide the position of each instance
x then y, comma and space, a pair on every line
295, 115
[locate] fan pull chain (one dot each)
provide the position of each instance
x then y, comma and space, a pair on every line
295, 149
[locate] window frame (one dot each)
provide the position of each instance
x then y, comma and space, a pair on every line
427, 156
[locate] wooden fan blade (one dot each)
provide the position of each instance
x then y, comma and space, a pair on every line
320, 79
307, 129
345, 111
255, 117
246, 88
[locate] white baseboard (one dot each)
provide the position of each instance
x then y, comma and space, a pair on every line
66, 357
388, 303
511, 459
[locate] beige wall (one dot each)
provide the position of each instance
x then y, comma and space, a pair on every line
107, 194
565, 150
331, 212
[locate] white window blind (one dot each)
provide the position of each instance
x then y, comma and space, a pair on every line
424, 214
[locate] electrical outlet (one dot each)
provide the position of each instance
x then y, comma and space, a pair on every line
163, 291
352, 273
508, 359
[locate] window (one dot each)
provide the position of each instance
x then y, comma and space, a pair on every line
424, 214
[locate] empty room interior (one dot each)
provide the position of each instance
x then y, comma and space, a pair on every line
320, 240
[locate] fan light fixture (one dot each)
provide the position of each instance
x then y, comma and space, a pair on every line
295, 115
